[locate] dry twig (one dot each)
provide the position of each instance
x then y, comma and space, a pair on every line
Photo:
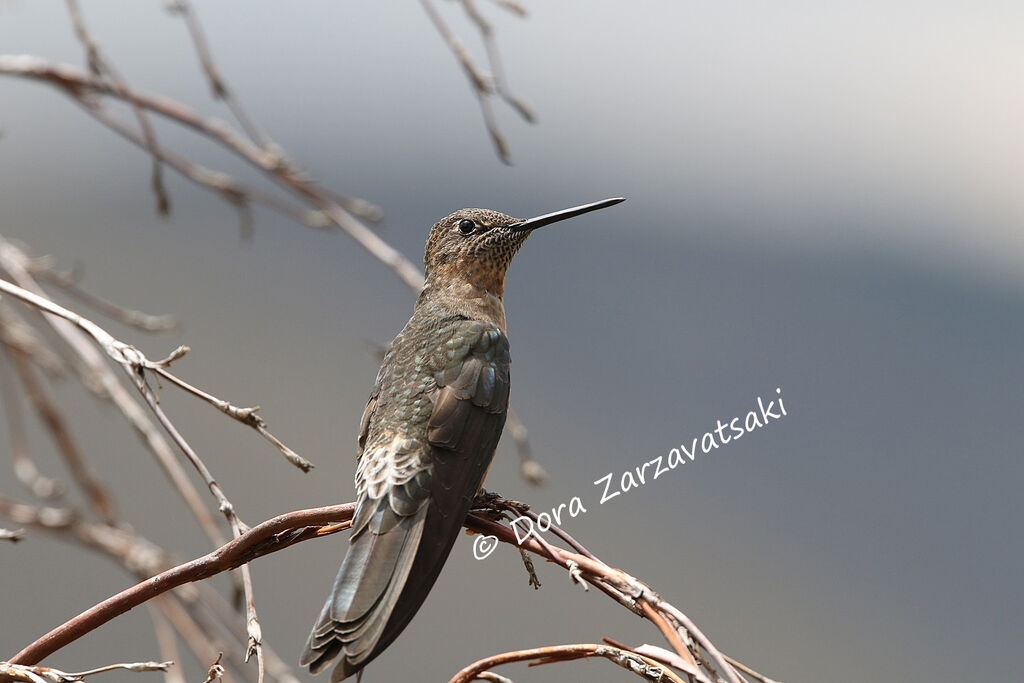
644, 667
484, 85
46, 674
43, 269
100, 67
98, 378
25, 469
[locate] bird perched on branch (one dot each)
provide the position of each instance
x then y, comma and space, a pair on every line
427, 436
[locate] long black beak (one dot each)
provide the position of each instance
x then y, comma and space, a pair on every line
549, 218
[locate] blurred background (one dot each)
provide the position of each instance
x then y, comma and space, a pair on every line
824, 198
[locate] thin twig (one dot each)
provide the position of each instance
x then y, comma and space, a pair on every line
494, 58
624, 588
57, 428
271, 536
642, 666
99, 378
511, 6
247, 416
166, 642
481, 83
46, 674
203, 646
670, 634
73, 82
138, 320
19, 334
217, 84
750, 672
100, 65
25, 469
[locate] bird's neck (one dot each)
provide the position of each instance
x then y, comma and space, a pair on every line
458, 296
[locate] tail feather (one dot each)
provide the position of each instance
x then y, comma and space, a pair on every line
368, 585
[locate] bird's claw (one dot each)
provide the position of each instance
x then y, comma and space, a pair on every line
490, 503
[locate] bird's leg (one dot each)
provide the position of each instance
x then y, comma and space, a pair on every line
494, 507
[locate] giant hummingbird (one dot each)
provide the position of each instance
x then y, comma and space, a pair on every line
427, 436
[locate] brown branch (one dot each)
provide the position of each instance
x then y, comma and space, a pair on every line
670, 634
642, 666
285, 530
271, 536
623, 588
25, 469
51, 417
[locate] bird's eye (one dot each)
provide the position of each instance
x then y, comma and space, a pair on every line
466, 226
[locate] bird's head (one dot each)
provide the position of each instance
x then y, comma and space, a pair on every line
476, 246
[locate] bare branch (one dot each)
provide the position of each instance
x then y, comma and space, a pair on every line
100, 65
286, 530
247, 416
97, 376
217, 83
271, 536
512, 6
75, 83
16, 333
45, 674
167, 643
126, 316
623, 588
494, 58
482, 86
25, 469
750, 672
51, 417
644, 667
135, 363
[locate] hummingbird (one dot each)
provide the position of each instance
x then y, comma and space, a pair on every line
427, 436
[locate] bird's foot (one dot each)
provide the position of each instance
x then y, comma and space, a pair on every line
494, 505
